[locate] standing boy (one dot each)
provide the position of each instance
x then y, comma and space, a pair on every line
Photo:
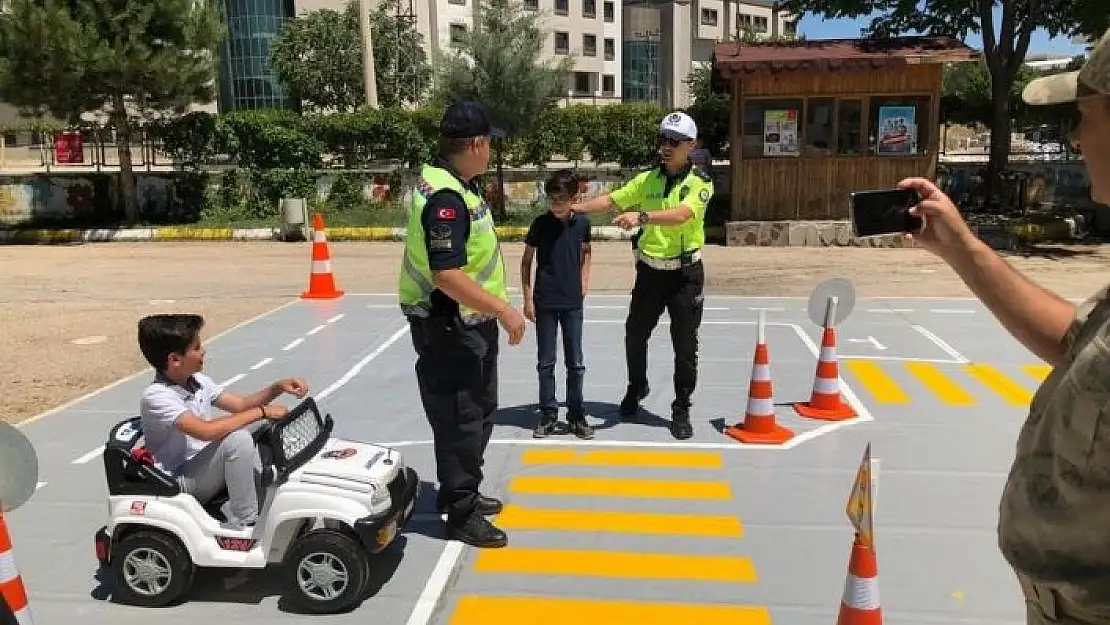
560, 241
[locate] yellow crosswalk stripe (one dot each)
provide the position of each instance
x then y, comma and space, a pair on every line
518, 517
615, 564
624, 458
479, 610
619, 487
1040, 372
999, 383
877, 382
941, 385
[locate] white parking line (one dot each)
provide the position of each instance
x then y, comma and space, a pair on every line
314, 330
40, 485
89, 456
261, 363
952, 311
292, 344
360, 365
232, 380
336, 318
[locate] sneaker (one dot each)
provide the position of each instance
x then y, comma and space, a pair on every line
631, 402
477, 531
546, 426
576, 424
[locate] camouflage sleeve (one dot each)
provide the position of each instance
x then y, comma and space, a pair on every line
1082, 312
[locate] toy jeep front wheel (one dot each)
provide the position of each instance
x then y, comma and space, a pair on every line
150, 569
327, 571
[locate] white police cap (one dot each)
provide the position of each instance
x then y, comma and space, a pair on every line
679, 125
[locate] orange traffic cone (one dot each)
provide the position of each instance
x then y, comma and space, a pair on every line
825, 402
321, 282
759, 421
860, 603
13, 596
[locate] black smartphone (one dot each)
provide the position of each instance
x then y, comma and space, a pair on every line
882, 212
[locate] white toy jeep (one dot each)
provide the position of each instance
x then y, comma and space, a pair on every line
328, 505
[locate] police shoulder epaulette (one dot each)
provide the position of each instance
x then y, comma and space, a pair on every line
701, 174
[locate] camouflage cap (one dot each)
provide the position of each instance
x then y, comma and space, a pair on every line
1093, 77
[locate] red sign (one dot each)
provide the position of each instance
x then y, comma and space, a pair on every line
69, 149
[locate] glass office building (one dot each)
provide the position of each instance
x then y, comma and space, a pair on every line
246, 81
641, 65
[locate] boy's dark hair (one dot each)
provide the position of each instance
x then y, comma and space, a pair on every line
561, 185
162, 335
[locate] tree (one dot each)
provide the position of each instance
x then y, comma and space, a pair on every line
499, 64
121, 58
1005, 43
319, 57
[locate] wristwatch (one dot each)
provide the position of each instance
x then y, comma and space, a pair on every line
643, 217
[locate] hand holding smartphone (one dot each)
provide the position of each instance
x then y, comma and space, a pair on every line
883, 212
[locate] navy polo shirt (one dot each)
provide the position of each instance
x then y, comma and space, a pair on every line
559, 245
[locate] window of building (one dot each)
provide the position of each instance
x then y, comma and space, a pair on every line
562, 42
589, 8
562, 7
582, 83
608, 84
458, 33
609, 12
849, 126
610, 49
709, 17
743, 23
760, 23
589, 45
790, 28
460, 2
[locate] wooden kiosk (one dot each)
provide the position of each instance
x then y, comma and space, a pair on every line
814, 120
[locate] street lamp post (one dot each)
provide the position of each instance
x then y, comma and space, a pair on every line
368, 75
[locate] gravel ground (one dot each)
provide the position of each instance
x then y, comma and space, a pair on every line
94, 294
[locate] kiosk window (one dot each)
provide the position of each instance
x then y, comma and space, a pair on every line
899, 126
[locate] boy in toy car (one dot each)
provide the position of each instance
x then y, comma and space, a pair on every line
203, 452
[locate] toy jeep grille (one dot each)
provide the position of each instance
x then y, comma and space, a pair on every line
298, 434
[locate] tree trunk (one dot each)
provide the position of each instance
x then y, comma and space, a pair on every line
127, 191
1000, 136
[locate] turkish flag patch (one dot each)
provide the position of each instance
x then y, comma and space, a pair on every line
445, 214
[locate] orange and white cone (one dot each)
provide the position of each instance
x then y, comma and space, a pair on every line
860, 604
12, 592
759, 424
321, 281
825, 402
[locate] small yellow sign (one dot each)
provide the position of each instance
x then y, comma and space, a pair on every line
860, 508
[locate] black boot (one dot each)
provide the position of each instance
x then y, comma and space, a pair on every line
632, 398
477, 531
680, 423
485, 505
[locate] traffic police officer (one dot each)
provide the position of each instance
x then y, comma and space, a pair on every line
671, 198
453, 292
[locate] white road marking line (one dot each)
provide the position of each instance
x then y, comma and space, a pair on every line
89, 456
768, 309
232, 380
938, 361
952, 311
40, 485
360, 365
889, 310
381, 305
870, 339
336, 318
146, 371
261, 363
292, 344
314, 330
948, 349
437, 583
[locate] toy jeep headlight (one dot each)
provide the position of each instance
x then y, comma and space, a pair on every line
379, 494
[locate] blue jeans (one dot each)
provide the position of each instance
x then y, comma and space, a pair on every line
548, 323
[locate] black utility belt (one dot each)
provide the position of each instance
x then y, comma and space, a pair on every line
669, 264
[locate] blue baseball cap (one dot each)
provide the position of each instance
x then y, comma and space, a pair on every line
466, 119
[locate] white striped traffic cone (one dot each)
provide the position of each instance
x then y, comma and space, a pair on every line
12, 592
860, 604
321, 282
759, 425
825, 402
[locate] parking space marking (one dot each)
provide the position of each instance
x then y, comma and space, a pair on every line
261, 363
487, 610
948, 349
620, 487
942, 380
615, 564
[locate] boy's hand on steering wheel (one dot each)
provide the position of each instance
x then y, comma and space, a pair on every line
294, 386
